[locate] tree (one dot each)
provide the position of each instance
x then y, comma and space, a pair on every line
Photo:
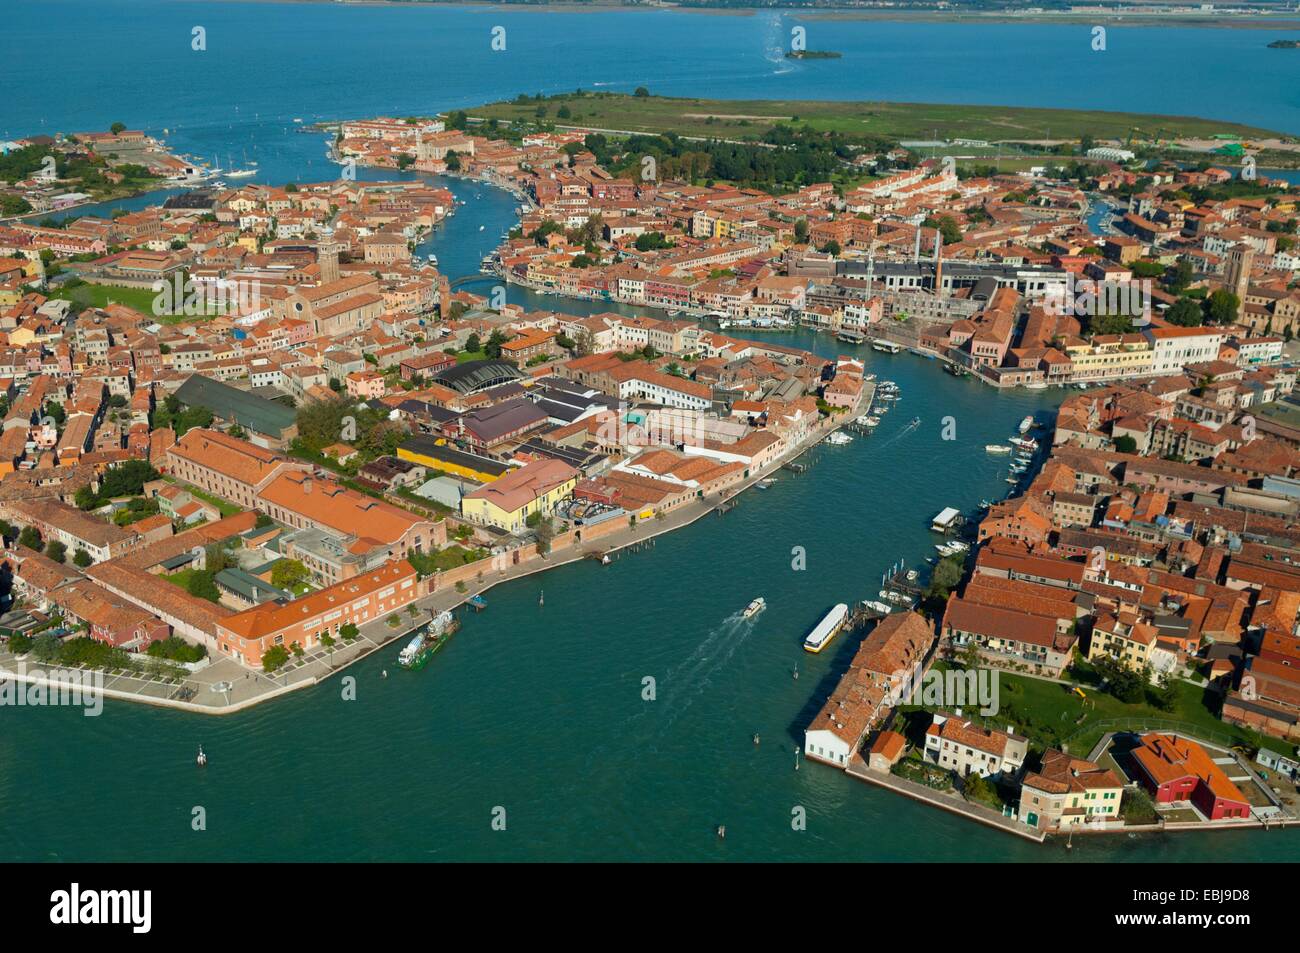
117, 128
1125, 444
349, 632
57, 551
946, 575
81, 559
977, 788
274, 657
289, 574
1185, 313
1221, 307
45, 647
1121, 682
1164, 693
30, 538
473, 343
493, 347
641, 92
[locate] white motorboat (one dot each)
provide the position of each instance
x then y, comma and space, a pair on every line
754, 608
838, 438
996, 448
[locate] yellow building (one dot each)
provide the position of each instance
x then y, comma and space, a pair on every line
436, 455
1069, 792
1124, 639
508, 501
1111, 356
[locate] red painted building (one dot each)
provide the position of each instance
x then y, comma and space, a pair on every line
1175, 769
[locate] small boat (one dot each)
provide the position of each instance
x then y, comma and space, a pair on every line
481, 227
202, 759
432, 259
1027, 424
839, 439
911, 575
754, 608
996, 448
763, 484
882, 607
1027, 443
1012, 480
240, 173
870, 421
883, 593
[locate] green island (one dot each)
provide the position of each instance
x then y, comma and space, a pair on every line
754, 119
1284, 45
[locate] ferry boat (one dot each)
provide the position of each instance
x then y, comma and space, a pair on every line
827, 629
996, 448
422, 647
1026, 425
754, 608
839, 438
888, 347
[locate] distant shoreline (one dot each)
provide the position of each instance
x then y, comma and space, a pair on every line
1213, 21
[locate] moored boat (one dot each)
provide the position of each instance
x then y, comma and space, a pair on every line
422, 647
996, 448
827, 629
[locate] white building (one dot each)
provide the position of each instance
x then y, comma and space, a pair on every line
1174, 348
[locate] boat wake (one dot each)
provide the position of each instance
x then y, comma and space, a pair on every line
912, 427
688, 680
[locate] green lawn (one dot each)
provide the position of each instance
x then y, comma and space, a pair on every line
1050, 714
141, 299
749, 119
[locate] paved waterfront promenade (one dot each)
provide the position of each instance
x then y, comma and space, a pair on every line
242, 688
954, 803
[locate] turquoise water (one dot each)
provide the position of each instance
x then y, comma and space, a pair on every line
539, 710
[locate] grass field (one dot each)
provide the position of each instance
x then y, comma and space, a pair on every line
140, 299
749, 119
1048, 713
